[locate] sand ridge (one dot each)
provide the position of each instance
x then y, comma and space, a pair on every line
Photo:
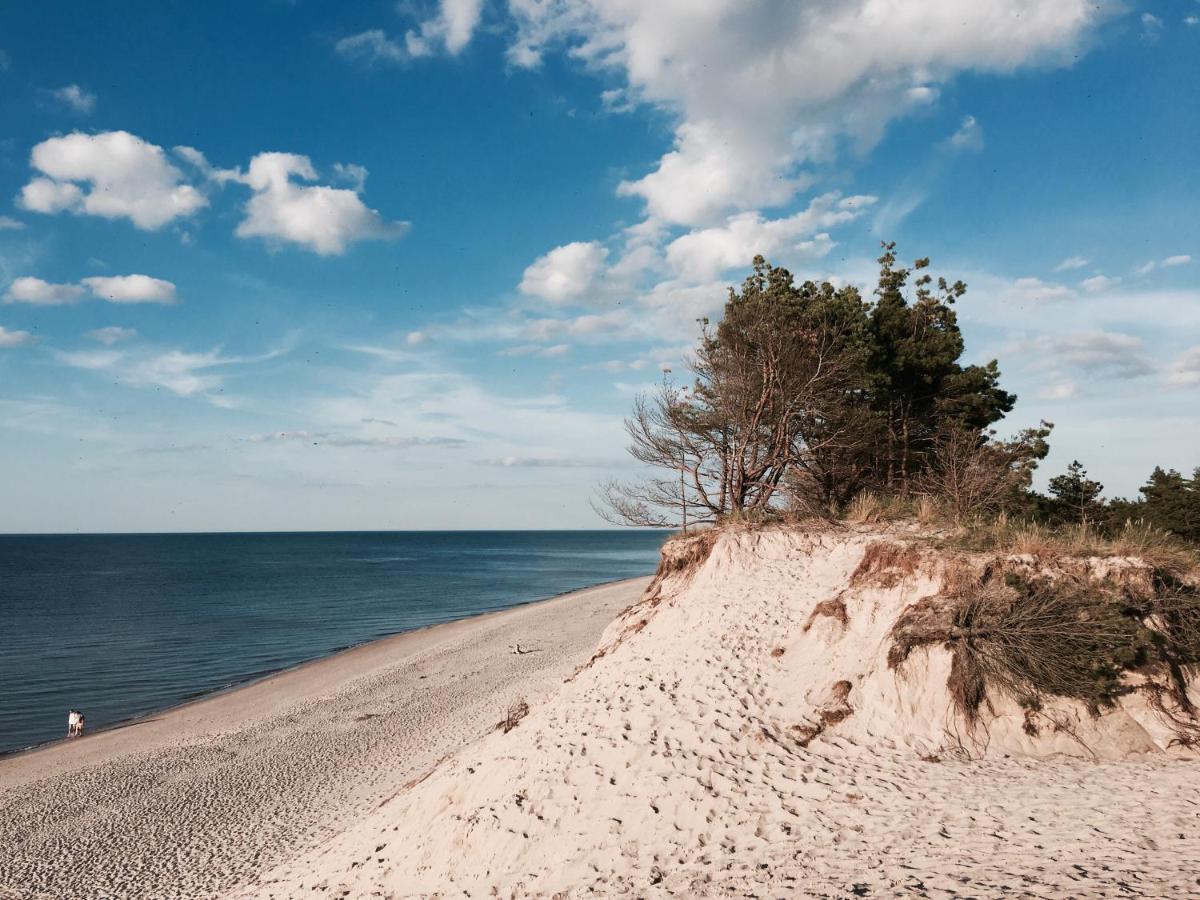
194, 801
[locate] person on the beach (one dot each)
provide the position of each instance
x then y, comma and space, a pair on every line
74, 723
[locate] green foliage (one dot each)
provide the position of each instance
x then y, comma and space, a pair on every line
1169, 501
1076, 498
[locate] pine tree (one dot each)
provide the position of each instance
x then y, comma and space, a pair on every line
1076, 497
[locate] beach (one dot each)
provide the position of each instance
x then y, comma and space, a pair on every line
202, 798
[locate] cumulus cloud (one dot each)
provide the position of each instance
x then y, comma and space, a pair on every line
323, 219
75, 98
450, 31
706, 253
1186, 370
566, 273
13, 338
838, 72
41, 293
7, 223
131, 289
113, 288
111, 334
113, 175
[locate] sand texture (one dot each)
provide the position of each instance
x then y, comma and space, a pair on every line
739, 733
205, 797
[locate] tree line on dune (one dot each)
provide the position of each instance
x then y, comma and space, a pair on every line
807, 398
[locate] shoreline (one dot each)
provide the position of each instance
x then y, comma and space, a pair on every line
204, 798
252, 680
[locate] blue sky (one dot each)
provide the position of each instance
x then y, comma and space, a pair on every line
303, 265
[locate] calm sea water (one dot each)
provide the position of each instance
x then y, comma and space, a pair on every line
123, 625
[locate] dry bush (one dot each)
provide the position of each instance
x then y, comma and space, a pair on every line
517, 710
834, 609
1028, 638
885, 564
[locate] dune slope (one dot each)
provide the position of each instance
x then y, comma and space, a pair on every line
740, 732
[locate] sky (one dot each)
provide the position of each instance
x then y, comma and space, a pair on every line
304, 266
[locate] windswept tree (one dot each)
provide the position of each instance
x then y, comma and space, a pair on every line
806, 395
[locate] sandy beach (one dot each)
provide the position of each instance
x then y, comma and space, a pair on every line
205, 797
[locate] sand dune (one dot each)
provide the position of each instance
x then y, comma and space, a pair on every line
195, 801
740, 733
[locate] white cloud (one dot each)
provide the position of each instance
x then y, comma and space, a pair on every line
1186, 370
131, 289
450, 31
566, 273
1151, 27
416, 338
1098, 283
122, 176
1038, 291
12, 338
76, 98
1191, 21
1100, 353
968, 138
1181, 259
706, 253
1071, 262
7, 223
111, 334
1061, 390
761, 90
181, 372
370, 47
321, 218
41, 293
551, 352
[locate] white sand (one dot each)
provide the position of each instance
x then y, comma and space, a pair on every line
727, 743
204, 797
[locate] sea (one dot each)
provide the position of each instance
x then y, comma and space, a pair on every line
121, 626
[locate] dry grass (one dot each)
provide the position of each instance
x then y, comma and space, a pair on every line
885, 564
1158, 549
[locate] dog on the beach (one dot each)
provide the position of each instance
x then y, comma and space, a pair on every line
74, 723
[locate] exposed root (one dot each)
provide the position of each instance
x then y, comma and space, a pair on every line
517, 710
834, 609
